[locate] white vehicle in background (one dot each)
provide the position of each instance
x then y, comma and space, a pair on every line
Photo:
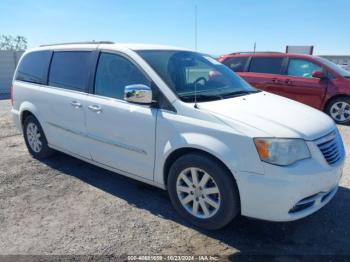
181, 121
345, 66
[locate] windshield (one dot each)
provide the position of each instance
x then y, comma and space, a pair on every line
187, 73
334, 67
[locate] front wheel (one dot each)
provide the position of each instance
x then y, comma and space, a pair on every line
203, 191
339, 110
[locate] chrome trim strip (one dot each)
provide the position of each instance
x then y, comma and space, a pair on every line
326, 138
121, 145
65, 129
105, 141
113, 169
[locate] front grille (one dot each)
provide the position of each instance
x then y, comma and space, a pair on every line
311, 200
304, 203
331, 147
325, 197
300, 207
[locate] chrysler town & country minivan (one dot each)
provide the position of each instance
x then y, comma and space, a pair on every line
181, 121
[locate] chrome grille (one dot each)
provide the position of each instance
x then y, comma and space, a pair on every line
331, 147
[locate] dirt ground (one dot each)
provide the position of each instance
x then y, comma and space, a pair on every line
65, 206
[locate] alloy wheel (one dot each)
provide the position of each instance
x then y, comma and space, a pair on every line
33, 135
198, 193
340, 111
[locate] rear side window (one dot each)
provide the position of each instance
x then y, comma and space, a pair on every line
236, 64
33, 67
267, 65
114, 72
70, 70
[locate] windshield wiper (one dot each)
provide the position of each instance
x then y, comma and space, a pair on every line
202, 97
239, 93
212, 97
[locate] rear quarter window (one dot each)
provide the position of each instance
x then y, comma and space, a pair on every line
267, 65
33, 67
70, 70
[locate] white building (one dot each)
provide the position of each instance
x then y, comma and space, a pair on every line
341, 60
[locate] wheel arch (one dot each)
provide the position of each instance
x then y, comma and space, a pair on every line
329, 100
174, 155
24, 115
27, 109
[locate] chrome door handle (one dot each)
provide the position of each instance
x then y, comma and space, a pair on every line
95, 108
76, 104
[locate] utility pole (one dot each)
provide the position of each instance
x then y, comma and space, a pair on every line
195, 28
254, 47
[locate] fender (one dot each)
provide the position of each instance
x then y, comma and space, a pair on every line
28, 106
226, 153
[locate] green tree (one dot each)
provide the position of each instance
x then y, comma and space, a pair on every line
14, 43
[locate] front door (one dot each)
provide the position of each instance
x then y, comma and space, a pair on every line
299, 84
121, 134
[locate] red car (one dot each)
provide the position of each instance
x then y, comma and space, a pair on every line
311, 80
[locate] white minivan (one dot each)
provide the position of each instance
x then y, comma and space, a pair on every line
181, 121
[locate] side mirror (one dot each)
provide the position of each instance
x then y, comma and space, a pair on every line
139, 94
318, 74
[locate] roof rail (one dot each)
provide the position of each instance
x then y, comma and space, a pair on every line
257, 52
81, 43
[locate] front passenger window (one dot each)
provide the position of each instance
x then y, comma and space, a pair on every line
302, 68
114, 72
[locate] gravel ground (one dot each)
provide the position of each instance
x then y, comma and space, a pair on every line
65, 206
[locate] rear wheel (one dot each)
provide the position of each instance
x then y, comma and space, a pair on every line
35, 138
203, 191
339, 110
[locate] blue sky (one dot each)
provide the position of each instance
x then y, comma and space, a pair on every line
223, 25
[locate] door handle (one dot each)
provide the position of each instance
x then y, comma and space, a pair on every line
95, 108
288, 81
76, 104
276, 81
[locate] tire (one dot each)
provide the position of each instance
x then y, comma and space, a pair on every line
226, 201
339, 110
37, 145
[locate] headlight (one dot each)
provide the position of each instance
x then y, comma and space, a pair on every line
281, 151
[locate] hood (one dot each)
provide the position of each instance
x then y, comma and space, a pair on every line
271, 115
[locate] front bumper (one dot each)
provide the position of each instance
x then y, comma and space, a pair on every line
289, 193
